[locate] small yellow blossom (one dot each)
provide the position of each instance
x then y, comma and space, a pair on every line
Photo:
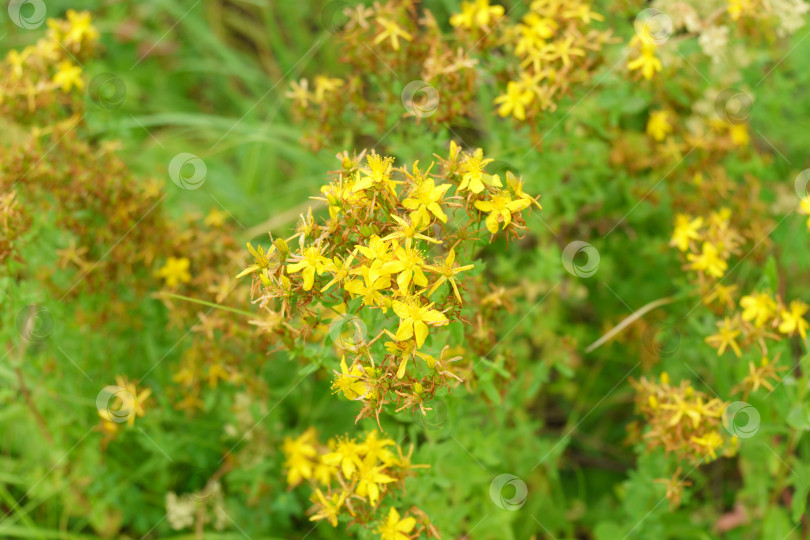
658, 126
68, 76
725, 337
686, 229
371, 478
500, 208
793, 319
323, 87
515, 101
414, 319
473, 176
447, 273
309, 263
648, 63
709, 261
175, 271
300, 453
392, 31
80, 31
350, 382
327, 508
396, 528
759, 308
477, 14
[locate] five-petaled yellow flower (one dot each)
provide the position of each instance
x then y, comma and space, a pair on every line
500, 208
396, 528
414, 319
175, 271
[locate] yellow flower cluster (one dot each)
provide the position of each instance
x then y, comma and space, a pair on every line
764, 316
682, 420
553, 46
709, 242
373, 252
53, 63
350, 477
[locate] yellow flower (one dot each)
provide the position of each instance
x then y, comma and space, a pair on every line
17, 60
708, 261
395, 528
371, 478
215, 218
339, 269
378, 173
349, 382
175, 271
327, 508
310, 261
128, 404
564, 49
686, 229
346, 456
515, 100
323, 86
473, 176
500, 208
759, 308
426, 197
647, 62
409, 231
300, 453
68, 76
414, 319
516, 185
739, 134
793, 319
711, 441
374, 448
448, 273
393, 31
375, 279
477, 14
408, 265
80, 28
658, 126
725, 337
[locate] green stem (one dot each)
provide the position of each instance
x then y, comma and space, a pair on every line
205, 303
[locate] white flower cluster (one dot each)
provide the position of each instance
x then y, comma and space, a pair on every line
208, 504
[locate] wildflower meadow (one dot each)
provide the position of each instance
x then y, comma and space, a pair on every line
405, 269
